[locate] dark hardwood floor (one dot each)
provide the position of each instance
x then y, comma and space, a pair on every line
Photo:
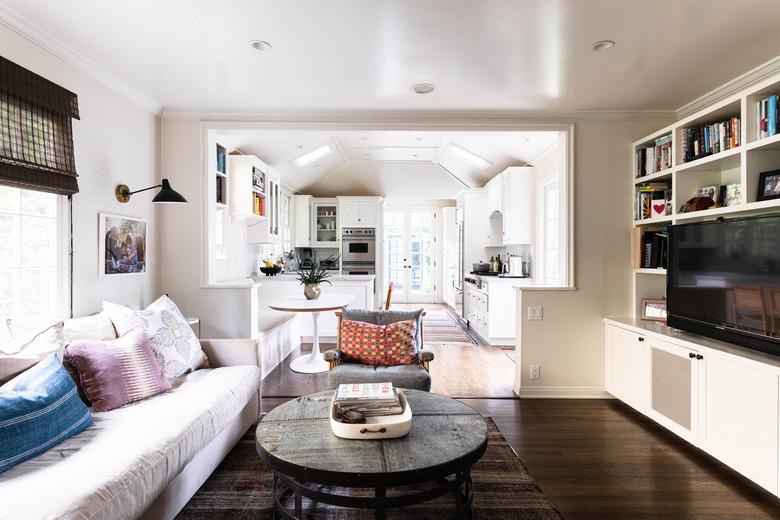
599, 459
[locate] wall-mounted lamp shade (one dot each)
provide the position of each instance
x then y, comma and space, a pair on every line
166, 195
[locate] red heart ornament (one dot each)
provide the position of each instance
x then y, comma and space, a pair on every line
659, 208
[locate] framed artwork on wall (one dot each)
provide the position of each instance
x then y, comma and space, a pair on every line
123, 246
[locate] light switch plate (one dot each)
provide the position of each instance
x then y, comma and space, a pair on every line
535, 312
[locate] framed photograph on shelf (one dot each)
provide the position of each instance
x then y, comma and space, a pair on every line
653, 309
123, 246
769, 185
708, 191
731, 194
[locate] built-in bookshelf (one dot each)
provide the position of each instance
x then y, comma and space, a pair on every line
721, 151
222, 179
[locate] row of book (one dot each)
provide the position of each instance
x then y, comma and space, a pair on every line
651, 249
650, 197
654, 159
221, 159
259, 205
704, 140
766, 117
369, 399
221, 190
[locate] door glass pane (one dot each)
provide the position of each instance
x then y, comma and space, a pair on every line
394, 250
421, 252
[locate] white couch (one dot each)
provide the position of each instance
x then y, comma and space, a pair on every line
145, 460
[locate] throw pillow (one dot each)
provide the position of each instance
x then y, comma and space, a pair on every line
38, 410
96, 326
173, 342
114, 373
379, 345
22, 345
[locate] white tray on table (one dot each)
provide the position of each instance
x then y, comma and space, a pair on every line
380, 427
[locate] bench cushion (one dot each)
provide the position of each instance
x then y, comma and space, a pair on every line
402, 376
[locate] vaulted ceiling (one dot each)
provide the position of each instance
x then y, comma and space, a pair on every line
391, 163
339, 55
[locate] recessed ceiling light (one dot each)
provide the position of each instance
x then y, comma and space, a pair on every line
415, 155
364, 138
299, 147
367, 154
469, 157
260, 45
419, 139
602, 45
312, 156
423, 88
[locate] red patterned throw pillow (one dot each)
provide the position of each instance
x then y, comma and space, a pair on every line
379, 345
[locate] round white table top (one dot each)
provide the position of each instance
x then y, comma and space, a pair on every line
326, 302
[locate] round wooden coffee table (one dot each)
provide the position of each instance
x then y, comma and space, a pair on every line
446, 439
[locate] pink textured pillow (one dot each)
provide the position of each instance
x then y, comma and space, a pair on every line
379, 345
111, 374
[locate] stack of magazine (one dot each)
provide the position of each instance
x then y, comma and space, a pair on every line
370, 399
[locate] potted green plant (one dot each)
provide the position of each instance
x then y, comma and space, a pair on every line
312, 278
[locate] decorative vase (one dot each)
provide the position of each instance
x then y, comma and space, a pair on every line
311, 291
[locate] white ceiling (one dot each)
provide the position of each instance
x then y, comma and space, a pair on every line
409, 164
486, 55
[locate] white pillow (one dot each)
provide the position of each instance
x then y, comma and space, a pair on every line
22, 346
173, 341
96, 327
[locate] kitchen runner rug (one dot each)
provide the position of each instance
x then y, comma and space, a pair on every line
240, 488
441, 328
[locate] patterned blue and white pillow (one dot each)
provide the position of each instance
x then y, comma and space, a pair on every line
173, 342
39, 409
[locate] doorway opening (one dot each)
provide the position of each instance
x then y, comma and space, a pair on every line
409, 248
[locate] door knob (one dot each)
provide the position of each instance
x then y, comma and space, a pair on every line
691, 355
640, 338
699, 356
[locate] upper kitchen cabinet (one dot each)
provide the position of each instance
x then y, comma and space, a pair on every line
358, 211
302, 236
518, 193
268, 230
326, 228
249, 194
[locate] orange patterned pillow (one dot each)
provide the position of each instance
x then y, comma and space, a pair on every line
379, 345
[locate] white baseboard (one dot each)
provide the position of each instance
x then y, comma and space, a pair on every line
563, 392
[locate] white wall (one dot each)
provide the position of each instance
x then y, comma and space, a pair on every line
569, 342
116, 141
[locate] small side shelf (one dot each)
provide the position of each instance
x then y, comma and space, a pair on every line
654, 221
658, 176
767, 143
719, 161
658, 271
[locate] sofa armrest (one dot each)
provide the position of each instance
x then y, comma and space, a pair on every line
231, 352
425, 357
333, 357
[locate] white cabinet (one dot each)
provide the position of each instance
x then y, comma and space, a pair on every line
358, 211
268, 230
738, 416
518, 203
495, 201
674, 388
491, 311
626, 366
248, 184
303, 220
325, 226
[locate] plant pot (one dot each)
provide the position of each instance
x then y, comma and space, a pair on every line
311, 291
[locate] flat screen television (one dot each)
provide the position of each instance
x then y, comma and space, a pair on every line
723, 280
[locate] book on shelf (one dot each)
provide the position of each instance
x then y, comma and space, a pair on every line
648, 193
221, 158
766, 117
650, 249
370, 399
653, 159
220, 190
701, 141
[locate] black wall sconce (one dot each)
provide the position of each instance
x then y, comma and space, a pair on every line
166, 195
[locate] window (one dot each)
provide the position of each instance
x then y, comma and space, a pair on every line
30, 258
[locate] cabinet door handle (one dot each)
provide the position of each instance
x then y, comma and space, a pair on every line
640, 338
699, 356
691, 355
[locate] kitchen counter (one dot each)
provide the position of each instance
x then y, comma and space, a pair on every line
293, 277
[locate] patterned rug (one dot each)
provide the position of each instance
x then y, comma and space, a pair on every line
240, 488
441, 328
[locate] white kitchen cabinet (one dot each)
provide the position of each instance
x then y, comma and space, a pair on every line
248, 200
518, 205
673, 397
268, 230
325, 225
738, 416
495, 201
303, 220
490, 310
358, 211
626, 370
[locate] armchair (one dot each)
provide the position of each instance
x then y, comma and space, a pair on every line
416, 376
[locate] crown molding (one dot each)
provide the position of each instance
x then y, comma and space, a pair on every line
58, 48
388, 117
731, 87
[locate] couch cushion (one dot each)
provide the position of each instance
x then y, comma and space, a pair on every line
402, 376
385, 317
22, 345
39, 409
117, 467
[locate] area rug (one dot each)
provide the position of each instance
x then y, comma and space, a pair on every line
441, 328
240, 488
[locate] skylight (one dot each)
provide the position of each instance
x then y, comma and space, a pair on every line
312, 156
469, 157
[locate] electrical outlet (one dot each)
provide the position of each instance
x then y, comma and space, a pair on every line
535, 312
535, 372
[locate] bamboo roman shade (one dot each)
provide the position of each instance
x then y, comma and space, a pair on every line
36, 138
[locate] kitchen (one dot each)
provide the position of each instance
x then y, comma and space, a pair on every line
289, 199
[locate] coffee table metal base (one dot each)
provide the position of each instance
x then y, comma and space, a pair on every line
285, 488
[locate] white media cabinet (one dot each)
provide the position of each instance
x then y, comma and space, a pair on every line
719, 397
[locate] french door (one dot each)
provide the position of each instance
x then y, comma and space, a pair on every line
410, 254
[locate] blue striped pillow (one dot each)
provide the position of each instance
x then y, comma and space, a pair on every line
39, 409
